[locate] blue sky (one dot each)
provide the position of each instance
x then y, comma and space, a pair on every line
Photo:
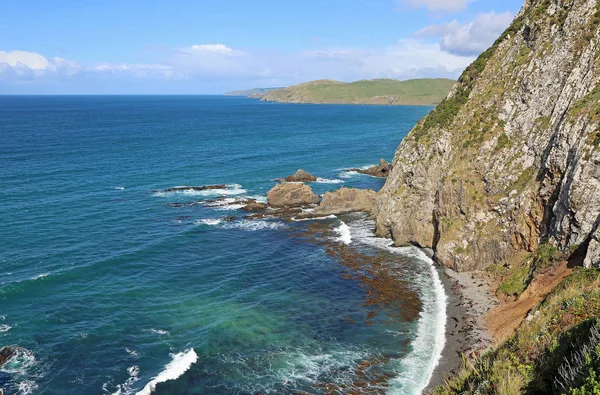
210, 46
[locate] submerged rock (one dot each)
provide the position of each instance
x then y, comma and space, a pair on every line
381, 170
347, 200
7, 353
291, 195
300, 176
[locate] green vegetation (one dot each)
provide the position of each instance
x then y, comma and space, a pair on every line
503, 142
380, 91
555, 351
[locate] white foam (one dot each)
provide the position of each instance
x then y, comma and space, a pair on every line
119, 188
27, 387
329, 181
5, 328
19, 363
254, 225
231, 207
40, 276
416, 369
180, 364
345, 236
132, 353
348, 174
260, 199
160, 332
313, 218
208, 221
127, 386
233, 189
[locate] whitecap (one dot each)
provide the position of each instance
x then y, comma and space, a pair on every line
27, 387
208, 221
127, 386
5, 328
179, 364
133, 353
329, 181
230, 190
345, 236
40, 276
254, 225
160, 332
231, 207
119, 188
348, 174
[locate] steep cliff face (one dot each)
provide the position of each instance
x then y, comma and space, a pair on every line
512, 157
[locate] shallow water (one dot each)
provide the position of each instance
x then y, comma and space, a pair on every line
112, 289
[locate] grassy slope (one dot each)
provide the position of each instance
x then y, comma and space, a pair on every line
417, 92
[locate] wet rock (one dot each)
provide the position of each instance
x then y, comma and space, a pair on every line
253, 205
300, 176
291, 195
347, 200
381, 170
201, 188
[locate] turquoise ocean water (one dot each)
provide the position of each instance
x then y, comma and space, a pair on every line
113, 287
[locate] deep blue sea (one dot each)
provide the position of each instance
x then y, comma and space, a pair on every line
113, 286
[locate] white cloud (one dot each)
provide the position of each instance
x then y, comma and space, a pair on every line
471, 38
219, 65
448, 6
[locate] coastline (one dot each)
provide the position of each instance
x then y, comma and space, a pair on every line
469, 300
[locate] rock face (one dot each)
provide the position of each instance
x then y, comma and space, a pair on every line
347, 200
301, 176
512, 157
291, 195
382, 170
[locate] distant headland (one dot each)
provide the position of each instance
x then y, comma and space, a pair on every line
423, 92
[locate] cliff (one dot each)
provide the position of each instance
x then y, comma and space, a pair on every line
380, 91
510, 160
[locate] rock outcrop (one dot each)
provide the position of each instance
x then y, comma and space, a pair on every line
347, 200
381, 170
291, 195
511, 158
300, 176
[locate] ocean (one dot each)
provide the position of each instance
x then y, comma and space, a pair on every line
113, 286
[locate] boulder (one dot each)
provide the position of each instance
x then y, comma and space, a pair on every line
301, 176
381, 170
6, 354
291, 195
347, 200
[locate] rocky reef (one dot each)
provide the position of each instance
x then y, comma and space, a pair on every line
511, 158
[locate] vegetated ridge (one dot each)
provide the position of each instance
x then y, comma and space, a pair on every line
379, 91
504, 176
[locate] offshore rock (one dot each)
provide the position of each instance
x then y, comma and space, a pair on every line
511, 158
291, 195
382, 170
300, 176
347, 200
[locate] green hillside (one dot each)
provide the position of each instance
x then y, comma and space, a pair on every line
379, 91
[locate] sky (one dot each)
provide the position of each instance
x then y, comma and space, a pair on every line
213, 46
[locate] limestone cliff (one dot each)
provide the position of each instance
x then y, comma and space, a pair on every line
511, 158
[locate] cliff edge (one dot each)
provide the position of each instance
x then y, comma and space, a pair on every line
511, 158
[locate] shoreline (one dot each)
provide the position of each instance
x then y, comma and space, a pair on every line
469, 300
